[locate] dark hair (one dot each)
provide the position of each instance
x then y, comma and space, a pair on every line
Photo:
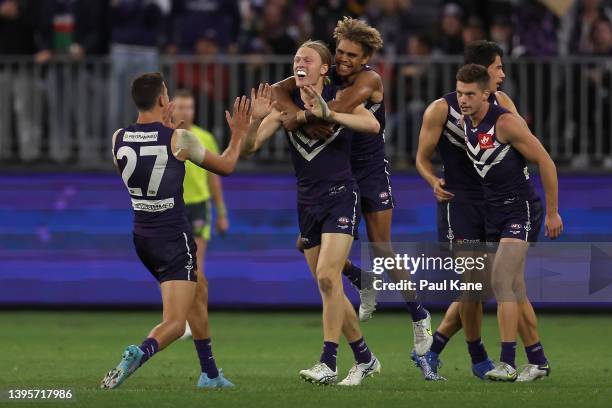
482, 52
183, 93
474, 73
359, 32
146, 89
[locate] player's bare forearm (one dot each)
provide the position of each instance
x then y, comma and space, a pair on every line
429, 136
248, 146
288, 85
550, 182
514, 130
426, 169
358, 93
229, 158
363, 121
292, 115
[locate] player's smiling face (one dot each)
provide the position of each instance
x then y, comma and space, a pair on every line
349, 58
308, 67
496, 72
470, 97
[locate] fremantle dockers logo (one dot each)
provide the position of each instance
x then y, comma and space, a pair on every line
310, 148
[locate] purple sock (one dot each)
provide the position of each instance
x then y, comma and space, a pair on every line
439, 342
330, 350
417, 311
535, 354
149, 347
353, 274
477, 351
508, 353
207, 361
361, 351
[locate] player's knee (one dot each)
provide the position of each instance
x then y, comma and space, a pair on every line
327, 283
502, 288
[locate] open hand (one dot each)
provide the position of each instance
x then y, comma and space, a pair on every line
240, 118
315, 103
261, 101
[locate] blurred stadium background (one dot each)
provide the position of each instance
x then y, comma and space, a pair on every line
65, 71
65, 220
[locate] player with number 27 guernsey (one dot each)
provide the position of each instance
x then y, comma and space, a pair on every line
150, 156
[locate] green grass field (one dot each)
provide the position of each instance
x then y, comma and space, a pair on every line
263, 352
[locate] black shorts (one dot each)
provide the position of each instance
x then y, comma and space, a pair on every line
373, 179
461, 222
199, 218
168, 258
338, 214
520, 219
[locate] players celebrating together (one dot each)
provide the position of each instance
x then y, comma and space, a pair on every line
333, 113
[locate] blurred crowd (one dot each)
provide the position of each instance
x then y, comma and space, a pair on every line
45, 28
49, 108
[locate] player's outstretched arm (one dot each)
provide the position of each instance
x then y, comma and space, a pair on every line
360, 120
431, 129
512, 129
365, 85
186, 145
264, 122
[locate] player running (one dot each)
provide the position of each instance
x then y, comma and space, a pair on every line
198, 187
499, 143
461, 208
150, 156
358, 83
328, 197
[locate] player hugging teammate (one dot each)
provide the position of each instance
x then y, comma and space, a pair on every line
485, 196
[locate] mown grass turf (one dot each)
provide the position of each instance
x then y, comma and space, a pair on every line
263, 352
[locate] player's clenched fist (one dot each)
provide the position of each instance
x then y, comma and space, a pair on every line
553, 225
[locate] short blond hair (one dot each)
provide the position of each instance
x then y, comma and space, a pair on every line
359, 32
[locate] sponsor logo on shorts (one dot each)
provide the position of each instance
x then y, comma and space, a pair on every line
337, 189
305, 240
516, 226
515, 232
486, 141
343, 222
383, 195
